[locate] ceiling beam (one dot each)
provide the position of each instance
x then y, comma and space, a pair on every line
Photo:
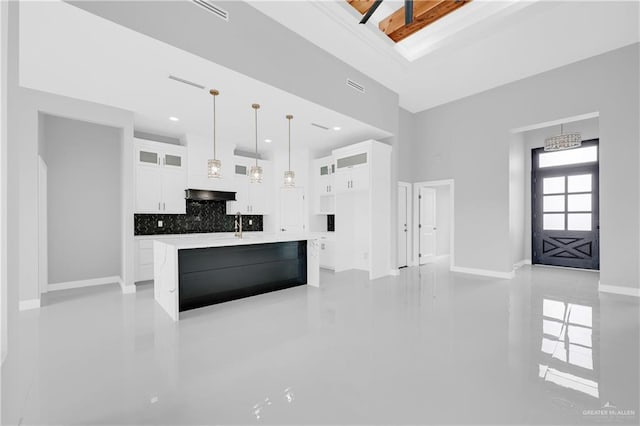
361, 6
425, 12
370, 12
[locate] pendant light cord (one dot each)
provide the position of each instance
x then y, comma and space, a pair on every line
289, 143
214, 127
256, 111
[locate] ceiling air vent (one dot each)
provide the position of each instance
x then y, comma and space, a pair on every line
182, 80
357, 86
320, 126
220, 13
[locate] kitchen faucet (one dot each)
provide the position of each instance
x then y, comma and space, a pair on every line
238, 225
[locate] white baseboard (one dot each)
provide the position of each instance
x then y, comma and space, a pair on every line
615, 289
483, 272
84, 283
521, 263
25, 305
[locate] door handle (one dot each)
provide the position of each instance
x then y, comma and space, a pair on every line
283, 230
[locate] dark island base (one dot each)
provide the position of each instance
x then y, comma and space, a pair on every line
219, 274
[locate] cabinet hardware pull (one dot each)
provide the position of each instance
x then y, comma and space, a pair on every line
158, 206
164, 207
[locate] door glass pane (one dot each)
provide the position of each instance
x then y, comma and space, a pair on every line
173, 160
148, 157
554, 185
580, 203
579, 183
553, 222
579, 222
553, 203
569, 156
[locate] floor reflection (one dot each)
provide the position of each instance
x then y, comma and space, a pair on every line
568, 338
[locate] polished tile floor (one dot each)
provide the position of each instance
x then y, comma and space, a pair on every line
427, 347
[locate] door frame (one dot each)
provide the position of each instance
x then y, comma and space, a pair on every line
416, 212
409, 188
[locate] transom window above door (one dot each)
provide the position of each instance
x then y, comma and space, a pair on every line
588, 154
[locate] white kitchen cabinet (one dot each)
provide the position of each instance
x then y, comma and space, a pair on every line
143, 260
251, 198
327, 253
324, 185
161, 177
352, 172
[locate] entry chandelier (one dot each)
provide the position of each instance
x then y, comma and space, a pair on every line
255, 173
214, 166
289, 175
563, 141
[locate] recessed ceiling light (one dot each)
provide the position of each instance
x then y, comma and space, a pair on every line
337, 128
268, 140
174, 119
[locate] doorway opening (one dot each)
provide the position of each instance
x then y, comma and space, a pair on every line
434, 227
565, 207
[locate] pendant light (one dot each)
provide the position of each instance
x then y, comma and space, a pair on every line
563, 141
289, 175
255, 174
214, 166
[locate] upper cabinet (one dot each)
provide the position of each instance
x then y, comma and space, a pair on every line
352, 169
324, 200
251, 198
161, 177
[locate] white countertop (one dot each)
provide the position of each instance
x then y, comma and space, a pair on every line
225, 240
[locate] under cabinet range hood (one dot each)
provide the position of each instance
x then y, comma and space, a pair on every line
208, 195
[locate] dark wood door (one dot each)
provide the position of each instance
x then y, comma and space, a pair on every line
565, 213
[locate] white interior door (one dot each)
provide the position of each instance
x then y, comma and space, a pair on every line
403, 233
292, 209
427, 225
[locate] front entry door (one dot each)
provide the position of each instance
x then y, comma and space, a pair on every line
427, 225
565, 213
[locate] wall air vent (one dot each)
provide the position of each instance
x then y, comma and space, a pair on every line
182, 80
220, 13
320, 126
354, 85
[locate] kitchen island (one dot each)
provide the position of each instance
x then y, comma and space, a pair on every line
193, 272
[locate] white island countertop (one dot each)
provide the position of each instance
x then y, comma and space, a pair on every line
202, 241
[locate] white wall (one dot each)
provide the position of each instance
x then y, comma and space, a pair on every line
23, 134
469, 139
516, 197
443, 220
535, 139
4, 32
84, 222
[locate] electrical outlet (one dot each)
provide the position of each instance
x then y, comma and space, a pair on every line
160, 224
250, 222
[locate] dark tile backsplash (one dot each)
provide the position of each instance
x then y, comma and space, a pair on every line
331, 222
201, 217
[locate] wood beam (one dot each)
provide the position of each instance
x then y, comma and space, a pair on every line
361, 6
425, 12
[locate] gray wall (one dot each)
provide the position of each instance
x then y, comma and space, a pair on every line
84, 173
535, 139
468, 140
406, 137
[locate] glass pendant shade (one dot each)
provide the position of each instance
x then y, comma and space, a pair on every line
289, 178
214, 168
563, 141
255, 174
